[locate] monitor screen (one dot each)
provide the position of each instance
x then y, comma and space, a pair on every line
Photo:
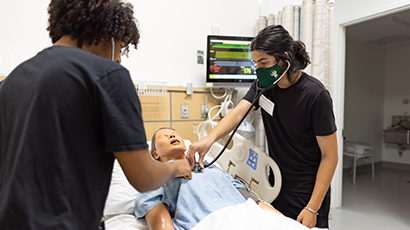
229, 61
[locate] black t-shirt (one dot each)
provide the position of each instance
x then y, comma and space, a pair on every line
62, 115
301, 112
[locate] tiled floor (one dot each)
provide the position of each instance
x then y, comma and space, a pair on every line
383, 203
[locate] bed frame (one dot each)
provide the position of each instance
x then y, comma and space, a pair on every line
246, 162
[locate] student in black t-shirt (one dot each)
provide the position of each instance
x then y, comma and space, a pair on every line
300, 127
66, 114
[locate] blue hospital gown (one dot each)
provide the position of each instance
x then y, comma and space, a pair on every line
190, 201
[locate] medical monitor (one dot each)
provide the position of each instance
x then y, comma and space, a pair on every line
229, 61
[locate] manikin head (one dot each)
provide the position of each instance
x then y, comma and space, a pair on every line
167, 144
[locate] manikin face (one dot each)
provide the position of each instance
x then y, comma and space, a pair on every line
169, 145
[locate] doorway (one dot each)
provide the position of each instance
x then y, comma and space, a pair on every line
369, 83
376, 82
375, 85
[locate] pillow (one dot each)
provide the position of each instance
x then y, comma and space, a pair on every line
121, 195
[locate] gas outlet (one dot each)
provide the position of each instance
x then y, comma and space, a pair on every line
184, 111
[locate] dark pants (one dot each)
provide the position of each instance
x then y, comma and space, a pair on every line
291, 205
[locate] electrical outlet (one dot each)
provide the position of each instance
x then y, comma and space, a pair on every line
194, 127
184, 111
204, 111
200, 56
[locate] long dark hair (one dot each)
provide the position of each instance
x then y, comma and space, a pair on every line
276, 40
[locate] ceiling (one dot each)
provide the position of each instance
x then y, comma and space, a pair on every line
392, 31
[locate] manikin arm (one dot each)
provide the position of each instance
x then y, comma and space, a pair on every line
159, 218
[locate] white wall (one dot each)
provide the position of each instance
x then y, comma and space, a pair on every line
173, 31
171, 34
364, 97
397, 87
23, 26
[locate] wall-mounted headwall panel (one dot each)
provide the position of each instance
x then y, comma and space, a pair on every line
160, 112
155, 108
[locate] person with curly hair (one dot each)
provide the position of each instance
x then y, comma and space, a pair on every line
66, 114
297, 114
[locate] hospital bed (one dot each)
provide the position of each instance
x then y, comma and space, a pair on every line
244, 160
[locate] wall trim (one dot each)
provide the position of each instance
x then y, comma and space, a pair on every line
394, 165
377, 165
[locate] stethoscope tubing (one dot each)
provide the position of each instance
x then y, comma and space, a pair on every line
244, 116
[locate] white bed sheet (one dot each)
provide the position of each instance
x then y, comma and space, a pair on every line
247, 216
244, 216
125, 222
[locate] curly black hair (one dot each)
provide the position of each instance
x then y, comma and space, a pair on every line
93, 20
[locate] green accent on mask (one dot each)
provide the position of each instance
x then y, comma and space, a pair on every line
267, 76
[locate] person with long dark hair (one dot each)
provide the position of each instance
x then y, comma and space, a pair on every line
299, 123
66, 114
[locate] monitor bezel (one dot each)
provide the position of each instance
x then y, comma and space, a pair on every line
234, 82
